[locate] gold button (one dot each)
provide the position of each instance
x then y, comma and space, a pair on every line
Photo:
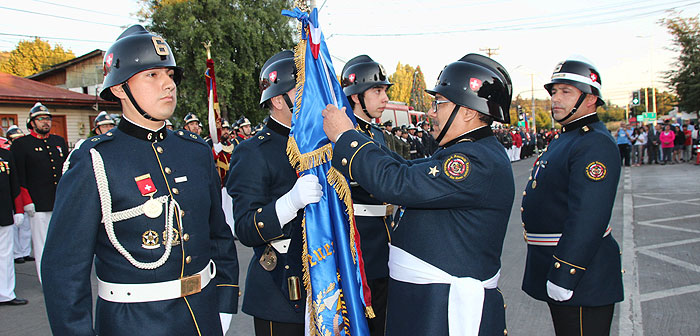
239, 293
344, 162
193, 136
175, 191
623, 271
50, 153
109, 133
524, 193
168, 170
529, 178
523, 224
54, 175
572, 271
261, 225
505, 306
286, 266
521, 209
188, 259
52, 161
505, 331
180, 133
259, 210
261, 137
556, 136
186, 237
159, 150
353, 144
557, 265
182, 213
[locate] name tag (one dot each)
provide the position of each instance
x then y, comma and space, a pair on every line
181, 179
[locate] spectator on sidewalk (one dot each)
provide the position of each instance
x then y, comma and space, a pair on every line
678, 143
623, 143
653, 144
640, 145
688, 145
666, 137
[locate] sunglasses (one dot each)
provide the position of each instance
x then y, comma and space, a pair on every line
45, 118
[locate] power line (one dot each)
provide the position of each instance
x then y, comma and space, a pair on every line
56, 38
538, 24
60, 17
85, 10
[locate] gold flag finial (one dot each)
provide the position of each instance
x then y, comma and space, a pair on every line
207, 46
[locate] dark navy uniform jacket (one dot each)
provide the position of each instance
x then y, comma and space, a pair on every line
39, 163
260, 174
9, 187
180, 165
457, 208
572, 191
375, 232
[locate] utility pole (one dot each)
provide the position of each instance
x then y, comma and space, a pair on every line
490, 51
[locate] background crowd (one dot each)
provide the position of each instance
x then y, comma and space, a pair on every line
663, 143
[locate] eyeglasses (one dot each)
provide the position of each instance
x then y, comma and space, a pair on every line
43, 119
438, 102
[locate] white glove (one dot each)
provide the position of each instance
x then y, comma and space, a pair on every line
218, 147
30, 210
558, 293
225, 321
19, 218
305, 191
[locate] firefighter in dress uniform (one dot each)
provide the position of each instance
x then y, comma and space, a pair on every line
39, 157
149, 216
22, 228
444, 259
11, 214
268, 208
573, 262
103, 123
244, 129
365, 84
192, 124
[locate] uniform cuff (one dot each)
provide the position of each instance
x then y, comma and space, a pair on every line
565, 274
228, 298
346, 149
266, 223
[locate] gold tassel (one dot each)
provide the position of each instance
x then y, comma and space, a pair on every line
306, 161
369, 312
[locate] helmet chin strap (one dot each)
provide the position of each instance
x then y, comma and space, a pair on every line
448, 124
573, 110
143, 113
361, 98
288, 101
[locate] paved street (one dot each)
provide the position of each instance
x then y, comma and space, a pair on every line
655, 221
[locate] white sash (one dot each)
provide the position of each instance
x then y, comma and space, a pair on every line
466, 300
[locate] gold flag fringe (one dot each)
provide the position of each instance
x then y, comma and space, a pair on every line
340, 184
369, 312
306, 161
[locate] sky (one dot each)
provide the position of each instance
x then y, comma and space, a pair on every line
622, 38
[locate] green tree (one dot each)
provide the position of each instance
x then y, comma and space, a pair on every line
419, 99
685, 78
402, 79
610, 112
30, 57
243, 35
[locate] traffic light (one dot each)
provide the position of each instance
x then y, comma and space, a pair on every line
635, 98
521, 116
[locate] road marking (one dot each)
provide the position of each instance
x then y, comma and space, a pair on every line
670, 292
662, 245
665, 202
630, 321
672, 260
660, 226
668, 219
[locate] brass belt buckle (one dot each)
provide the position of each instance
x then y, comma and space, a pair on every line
190, 285
389, 210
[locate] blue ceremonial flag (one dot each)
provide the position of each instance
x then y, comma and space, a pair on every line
333, 269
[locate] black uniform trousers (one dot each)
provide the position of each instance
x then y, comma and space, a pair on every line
581, 321
272, 328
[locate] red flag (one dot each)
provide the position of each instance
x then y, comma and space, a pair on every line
214, 114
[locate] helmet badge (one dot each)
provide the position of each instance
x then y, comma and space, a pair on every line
558, 67
351, 77
160, 45
108, 63
475, 84
594, 77
273, 76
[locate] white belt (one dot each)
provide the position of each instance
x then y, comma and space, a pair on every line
157, 291
550, 239
369, 210
466, 300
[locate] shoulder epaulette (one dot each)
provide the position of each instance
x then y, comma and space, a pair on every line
191, 137
585, 129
